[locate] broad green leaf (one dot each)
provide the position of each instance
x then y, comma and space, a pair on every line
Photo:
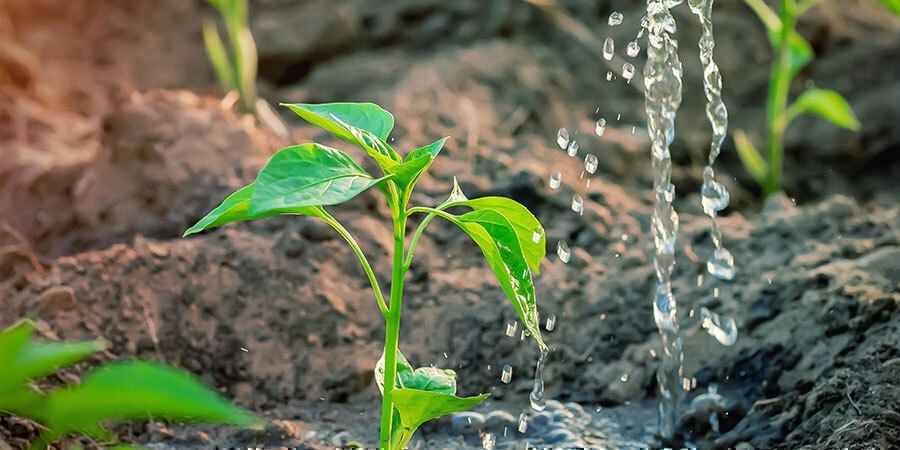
308, 175
750, 157
424, 378
38, 359
134, 391
364, 124
827, 104
893, 5
417, 163
218, 57
234, 209
12, 341
499, 242
417, 407
24, 402
526, 226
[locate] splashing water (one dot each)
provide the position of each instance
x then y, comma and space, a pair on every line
506, 374
600, 126
537, 393
725, 331
628, 72
555, 180
573, 148
563, 251
562, 138
578, 204
615, 18
662, 81
632, 49
591, 162
488, 441
714, 196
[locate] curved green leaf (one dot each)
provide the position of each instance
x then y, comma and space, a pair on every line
308, 175
218, 57
38, 359
234, 209
417, 407
364, 124
526, 226
426, 378
137, 390
750, 157
417, 163
499, 242
828, 104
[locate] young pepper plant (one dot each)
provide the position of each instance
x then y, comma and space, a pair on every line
792, 54
131, 390
304, 179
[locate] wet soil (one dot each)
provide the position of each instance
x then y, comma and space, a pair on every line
113, 140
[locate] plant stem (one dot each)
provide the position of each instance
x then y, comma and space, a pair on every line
379, 296
392, 335
780, 83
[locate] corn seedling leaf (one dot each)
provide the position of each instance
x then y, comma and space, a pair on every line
245, 61
364, 124
38, 359
499, 242
754, 163
308, 175
827, 104
218, 57
133, 391
234, 209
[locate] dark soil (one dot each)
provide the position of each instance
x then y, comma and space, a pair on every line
113, 141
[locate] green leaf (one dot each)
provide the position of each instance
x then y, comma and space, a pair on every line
137, 391
218, 57
750, 157
417, 163
12, 341
893, 5
38, 359
364, 124
308, 175
427, 378
801, 51
827, 104
417, 407
246, 60
234, 209
526, 226
499, 242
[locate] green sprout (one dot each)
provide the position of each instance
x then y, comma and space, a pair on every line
235, 67
793, 53
303, 179
132, 390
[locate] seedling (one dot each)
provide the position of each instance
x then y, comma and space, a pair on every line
304, 179
235, 67
133, 390
792, 54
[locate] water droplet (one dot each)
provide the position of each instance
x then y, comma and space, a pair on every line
632, 49
615, 18
609, 75
645, 22
488, 441
523, 423
624, 237
600, 127
536, 235
555, 180
573, 148
562, 138
721, 264
511, 328
456, 195
624, 378
538, 402
591, 162
609, 47
578, 204
628, 71
714, 197
715, 292
700, 280
563, 251
673, 3
724, 331
506, 375
551, 323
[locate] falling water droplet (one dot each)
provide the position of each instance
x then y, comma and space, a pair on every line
600, 127
506, 375
562, 138
628, 71
551, 323
700, 280
591, 162
715, 292
536, 235
624, 378
523, 423
724, 331
538, 402
632, 49
555, 180
563, 251
609, 47
615, 18
609, 75
578, 204
488, 441
714, 197
573, 148
721, 264
511, 328
645, 22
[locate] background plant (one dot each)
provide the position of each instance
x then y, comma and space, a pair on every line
792, 53
235, 66
133, 390
303, 179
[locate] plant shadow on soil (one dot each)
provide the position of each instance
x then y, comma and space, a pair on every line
103, 164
